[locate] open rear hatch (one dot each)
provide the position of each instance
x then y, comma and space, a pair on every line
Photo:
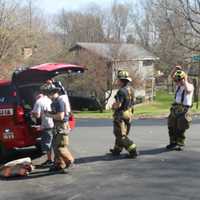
41, 73
30, 79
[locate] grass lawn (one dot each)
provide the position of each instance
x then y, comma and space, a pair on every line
159, 107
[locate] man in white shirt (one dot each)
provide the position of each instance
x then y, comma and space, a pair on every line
43, 104
180, 117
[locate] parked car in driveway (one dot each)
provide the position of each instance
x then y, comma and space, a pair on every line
17, 97
80, 103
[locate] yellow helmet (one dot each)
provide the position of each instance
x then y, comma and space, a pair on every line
179, 75
124, 75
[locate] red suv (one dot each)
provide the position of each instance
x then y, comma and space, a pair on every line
17, 97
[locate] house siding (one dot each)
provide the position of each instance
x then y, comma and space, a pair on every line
135, 59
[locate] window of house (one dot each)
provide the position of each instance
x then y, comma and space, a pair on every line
147, 62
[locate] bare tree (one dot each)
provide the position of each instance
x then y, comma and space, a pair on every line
120, 14
9, 33
82, 27
154, 32
183, 17
24, 29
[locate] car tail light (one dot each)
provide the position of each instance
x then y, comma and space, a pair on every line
14, 93
19, 114
72, 121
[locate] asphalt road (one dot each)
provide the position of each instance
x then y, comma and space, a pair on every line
156, 174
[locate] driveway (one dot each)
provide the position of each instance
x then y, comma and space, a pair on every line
156, 174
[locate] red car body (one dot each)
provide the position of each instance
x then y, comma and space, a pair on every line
15, 128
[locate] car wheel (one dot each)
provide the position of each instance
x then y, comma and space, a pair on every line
38, 147
3, 151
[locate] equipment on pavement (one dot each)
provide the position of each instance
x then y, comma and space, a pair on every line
20, 167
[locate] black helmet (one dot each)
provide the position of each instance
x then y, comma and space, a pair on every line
49, 88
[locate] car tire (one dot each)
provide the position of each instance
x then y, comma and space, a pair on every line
3, 151
38, 147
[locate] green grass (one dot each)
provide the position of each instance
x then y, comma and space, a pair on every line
194, 110
93, 114
159, 107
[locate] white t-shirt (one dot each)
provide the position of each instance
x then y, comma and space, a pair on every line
41, 105
187, 101
65, 99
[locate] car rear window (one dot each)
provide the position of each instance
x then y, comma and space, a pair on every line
7, 95
28, 95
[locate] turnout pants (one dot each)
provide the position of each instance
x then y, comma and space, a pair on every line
63, 156
121, 129
179, 121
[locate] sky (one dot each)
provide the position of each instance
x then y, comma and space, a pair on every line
53, 6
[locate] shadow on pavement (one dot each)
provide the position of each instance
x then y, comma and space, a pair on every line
33, 153
109, 157
106, 157
153, 151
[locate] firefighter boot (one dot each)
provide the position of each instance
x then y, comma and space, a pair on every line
171, 146
115, 152
133, 153
180, 140
179, 147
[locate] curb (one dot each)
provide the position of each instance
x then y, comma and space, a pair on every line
143, 117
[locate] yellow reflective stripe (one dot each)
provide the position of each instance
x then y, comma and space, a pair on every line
130, 95
133, 146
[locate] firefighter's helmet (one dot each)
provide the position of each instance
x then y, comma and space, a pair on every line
124, 75
49, 88
179, 75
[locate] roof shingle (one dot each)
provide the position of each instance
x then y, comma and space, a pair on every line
116, 51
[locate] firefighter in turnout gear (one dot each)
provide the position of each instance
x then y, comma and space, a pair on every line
63, 157
123, 112
180, 117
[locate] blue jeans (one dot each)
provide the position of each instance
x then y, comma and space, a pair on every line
46, 140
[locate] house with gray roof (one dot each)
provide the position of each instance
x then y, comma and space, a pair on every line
132, 57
